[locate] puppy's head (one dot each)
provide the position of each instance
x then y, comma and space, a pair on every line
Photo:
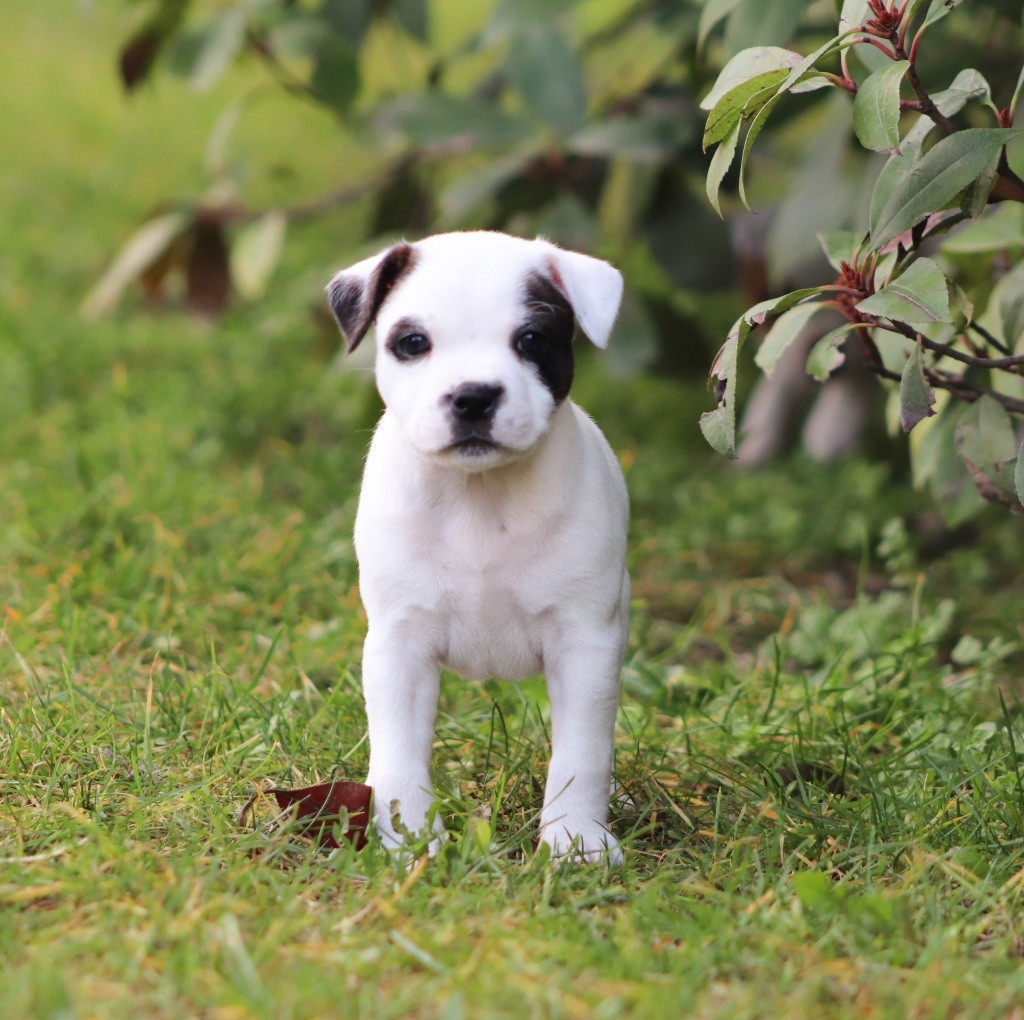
474, 337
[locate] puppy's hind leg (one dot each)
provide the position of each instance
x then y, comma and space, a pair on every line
400, 684
583, 687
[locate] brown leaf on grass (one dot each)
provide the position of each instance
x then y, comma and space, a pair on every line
207, 273
320, 809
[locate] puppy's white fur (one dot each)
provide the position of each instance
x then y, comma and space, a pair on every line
500, 563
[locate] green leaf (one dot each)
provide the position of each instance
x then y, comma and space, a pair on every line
893, 175
939, 9
546, 73
876, 108
936, 464
719, 166
918, 296
853, 14
471, 191
764, 112
826, 355
649, 136
634, 343
975, 199
740, 102
335, 79
839, 246
255, 253
747, 65
917, 398
1009, 297
719, 429
511, 15
719, 425
145, 246
349, 18
1000, 229
987, 444
935, 180
216, 45
786, 328
437, 119
711, 14
967, 85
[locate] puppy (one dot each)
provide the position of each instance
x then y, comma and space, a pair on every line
491, 530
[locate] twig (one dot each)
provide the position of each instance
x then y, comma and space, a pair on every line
950, 352
1008, 186
969, 390
989, 338
925, 101
871, 41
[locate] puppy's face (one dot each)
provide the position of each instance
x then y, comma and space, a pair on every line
474, 337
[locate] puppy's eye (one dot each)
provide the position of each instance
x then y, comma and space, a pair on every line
531, 343
410, 346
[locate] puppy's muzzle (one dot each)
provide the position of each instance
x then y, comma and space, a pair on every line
472, 407
474, 404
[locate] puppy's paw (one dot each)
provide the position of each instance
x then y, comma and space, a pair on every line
585, 842
400, 814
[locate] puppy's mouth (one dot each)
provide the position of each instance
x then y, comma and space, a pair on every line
473, 446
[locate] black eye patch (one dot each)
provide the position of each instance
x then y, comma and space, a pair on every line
545, 337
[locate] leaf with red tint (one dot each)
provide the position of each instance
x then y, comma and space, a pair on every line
319, 809
207, 274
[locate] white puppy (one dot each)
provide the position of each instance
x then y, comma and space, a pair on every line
491, 532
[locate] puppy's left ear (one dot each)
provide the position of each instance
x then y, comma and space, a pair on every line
356, 294
593, 287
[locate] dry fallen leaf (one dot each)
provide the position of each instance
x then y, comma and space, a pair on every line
321, 809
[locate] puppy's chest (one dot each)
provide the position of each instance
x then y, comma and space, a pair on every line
493, 592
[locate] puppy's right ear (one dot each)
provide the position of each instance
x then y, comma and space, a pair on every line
357, 293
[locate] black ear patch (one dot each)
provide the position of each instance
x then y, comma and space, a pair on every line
548, 315
355, 305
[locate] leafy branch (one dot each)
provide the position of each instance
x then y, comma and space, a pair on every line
884, 283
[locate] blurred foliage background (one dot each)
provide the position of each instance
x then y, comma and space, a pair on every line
576, 119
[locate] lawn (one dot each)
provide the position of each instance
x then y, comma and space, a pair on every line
820, 736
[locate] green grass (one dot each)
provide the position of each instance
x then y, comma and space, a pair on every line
827, 812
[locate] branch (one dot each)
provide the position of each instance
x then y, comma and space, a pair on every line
969, 390
958, 385
988, 337
1008, 186
951, 352
925, 102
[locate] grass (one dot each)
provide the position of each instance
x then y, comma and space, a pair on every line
819, 734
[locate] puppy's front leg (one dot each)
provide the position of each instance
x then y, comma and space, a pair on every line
400, 683
583, 687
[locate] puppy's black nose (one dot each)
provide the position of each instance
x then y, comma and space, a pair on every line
475, 402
